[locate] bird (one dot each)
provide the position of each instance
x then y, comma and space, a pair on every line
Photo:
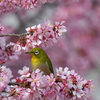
41, 61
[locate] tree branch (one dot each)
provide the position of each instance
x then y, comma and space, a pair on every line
19, 35
12, 83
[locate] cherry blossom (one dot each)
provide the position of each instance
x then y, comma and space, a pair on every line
12, 5
46, 34
35, 79
5, 76
68, 84
24, 72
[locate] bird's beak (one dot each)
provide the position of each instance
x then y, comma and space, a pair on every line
27, 52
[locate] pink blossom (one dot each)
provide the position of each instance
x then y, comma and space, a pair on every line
3, 56
5, 76
35, 78
7, 71
50, 80
11, 52
24, 72
4, 80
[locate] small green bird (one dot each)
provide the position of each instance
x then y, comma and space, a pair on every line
40, 60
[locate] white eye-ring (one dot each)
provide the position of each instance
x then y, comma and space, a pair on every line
36, 52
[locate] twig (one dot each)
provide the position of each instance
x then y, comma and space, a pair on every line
19, 35
12, 83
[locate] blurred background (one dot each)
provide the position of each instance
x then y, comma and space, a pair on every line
79, 49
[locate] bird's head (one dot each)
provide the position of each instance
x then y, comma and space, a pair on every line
37, 52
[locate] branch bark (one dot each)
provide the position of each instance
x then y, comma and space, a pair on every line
19, 35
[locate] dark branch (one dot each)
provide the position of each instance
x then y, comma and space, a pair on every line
12, 83
19, 35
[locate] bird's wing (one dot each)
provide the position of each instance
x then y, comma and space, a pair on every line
44, 67
49, 64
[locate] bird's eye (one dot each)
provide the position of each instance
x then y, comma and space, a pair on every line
36, 52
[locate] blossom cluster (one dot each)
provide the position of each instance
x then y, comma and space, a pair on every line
5, 76
67, 85
7, 52
42, 36
12, 5
46, 34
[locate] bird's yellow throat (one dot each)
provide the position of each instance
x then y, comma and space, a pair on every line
34, 60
